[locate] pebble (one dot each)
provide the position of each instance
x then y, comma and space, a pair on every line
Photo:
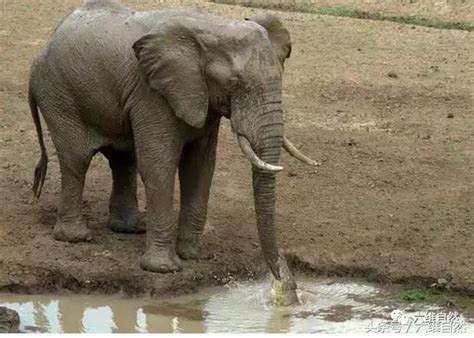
392, 75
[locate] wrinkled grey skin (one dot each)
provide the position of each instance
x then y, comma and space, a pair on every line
148, 90
9, 320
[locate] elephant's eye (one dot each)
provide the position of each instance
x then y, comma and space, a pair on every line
223, 76
218, 72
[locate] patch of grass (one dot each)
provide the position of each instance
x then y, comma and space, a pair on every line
344, 11
415, 295
340, 11
420, 21
437, 295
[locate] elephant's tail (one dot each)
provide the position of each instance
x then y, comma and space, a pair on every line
42, 166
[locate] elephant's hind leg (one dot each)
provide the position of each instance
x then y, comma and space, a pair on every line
74, 148
70, 225
123, 207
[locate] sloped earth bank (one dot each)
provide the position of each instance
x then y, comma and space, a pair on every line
386, 107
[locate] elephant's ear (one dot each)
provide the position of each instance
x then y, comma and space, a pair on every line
278, 34
170, 58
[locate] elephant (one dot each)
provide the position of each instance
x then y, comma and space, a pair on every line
148, 91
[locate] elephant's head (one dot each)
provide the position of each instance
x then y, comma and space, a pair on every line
203, 65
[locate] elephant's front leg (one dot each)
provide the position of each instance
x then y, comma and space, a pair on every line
160, 254
196, 169
157, 158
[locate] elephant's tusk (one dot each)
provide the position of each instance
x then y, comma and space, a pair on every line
253, 158
291, 149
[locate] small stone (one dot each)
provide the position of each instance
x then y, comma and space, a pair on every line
351, 143
392, 75
442, 281
450, 116
9, 320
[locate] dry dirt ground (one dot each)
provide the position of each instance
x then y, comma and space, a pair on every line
445, 10
387, 108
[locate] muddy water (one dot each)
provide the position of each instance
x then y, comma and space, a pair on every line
326, 306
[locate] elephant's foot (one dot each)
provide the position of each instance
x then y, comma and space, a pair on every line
71, 231
160, 260
191, 249
130, 225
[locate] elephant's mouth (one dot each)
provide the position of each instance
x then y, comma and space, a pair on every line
225, 111
247, 126
248, 151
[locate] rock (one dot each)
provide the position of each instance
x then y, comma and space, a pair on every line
9, 320
392, 75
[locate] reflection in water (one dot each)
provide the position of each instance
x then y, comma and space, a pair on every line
98, 320
99, 314
325, 307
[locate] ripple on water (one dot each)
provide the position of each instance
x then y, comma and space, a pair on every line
326, 306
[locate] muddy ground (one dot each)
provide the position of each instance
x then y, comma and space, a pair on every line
386, 107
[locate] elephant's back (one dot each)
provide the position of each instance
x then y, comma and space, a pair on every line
89, 58
93, 35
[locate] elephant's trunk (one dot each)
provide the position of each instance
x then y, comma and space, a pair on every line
264, 198
267, 143
283, 286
